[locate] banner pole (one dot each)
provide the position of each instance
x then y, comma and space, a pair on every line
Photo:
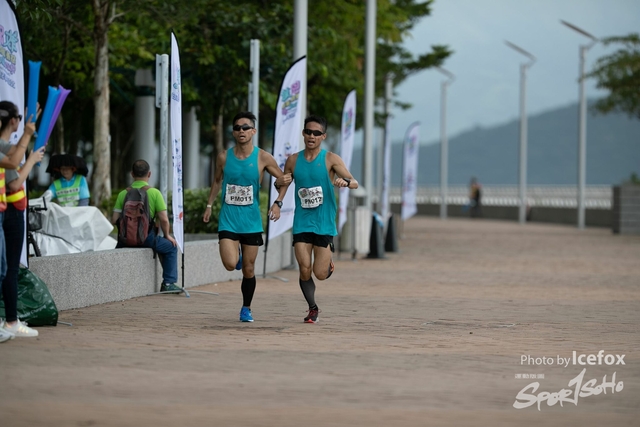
294, 94
266, 243
171, 111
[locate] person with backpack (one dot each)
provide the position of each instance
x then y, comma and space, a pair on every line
136, 212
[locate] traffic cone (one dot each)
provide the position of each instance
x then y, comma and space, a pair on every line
390, 242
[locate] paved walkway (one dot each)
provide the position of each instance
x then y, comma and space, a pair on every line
433, 335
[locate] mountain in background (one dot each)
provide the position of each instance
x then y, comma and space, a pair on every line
491, 154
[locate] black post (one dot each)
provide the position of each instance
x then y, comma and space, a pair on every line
183, 268
391, 242
376, 247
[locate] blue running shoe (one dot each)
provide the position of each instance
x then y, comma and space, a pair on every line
245, 315
239, 264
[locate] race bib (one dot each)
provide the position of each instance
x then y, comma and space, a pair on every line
310, 197
239, 195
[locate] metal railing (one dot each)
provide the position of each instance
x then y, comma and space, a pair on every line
555, 196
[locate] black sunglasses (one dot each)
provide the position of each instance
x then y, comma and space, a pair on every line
312, 132
19, 117
245, 128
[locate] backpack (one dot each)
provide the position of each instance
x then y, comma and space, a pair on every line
135, 220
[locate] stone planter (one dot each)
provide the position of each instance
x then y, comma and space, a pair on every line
626, 209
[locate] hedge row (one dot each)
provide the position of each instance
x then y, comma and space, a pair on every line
195, 202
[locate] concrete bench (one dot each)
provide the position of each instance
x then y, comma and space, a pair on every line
89, 278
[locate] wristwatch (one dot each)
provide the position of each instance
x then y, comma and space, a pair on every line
279, 203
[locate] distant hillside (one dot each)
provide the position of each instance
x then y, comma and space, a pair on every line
491, 154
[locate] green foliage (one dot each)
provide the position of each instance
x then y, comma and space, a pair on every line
634, 179
214, 38
106, 206
38, 9
35, 194
336, 54
195, 203
619, 73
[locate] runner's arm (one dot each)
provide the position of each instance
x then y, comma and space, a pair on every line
216, 185
282, 179
342, 177
290, 165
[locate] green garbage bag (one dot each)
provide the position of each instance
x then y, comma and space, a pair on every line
35, 304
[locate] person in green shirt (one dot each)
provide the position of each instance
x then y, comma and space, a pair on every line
163, 246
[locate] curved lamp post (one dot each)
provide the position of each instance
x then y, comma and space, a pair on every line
444, 145
582, 125
522, 181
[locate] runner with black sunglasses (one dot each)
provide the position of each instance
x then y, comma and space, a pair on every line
316, 172
238, 173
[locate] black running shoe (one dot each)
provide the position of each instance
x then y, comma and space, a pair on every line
312, 317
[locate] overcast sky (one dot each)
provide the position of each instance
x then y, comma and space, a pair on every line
486, 89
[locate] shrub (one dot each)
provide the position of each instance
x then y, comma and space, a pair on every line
106, 207
634, 179
195, 203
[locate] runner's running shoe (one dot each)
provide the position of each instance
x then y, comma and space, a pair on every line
245, 315
312, 317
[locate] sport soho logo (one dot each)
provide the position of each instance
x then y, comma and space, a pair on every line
577, 387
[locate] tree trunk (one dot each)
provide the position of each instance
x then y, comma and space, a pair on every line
101, 179
59, 140
59, 147
220, 133
75, 134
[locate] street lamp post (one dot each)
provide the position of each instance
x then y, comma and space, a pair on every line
582, 125
522, 212
254, 86
444, 145
369, 99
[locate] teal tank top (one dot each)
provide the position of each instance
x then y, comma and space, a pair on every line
315, 197
240, 211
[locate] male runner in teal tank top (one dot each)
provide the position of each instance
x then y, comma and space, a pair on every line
238, 173
315, 172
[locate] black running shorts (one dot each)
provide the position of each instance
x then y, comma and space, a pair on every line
319, 240
249, 239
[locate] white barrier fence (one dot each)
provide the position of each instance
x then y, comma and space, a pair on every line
557, 196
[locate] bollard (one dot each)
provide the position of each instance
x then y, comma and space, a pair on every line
376, 246
391, 242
